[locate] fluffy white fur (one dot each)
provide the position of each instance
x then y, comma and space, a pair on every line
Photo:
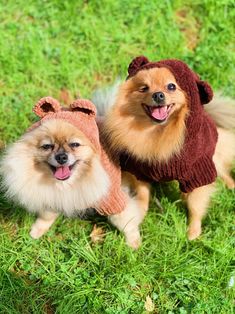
28, 180
24, 184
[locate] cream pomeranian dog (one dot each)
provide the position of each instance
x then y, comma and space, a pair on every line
158, 127
60, 167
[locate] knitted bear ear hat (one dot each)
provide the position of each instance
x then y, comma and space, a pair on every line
199, 92
81, 113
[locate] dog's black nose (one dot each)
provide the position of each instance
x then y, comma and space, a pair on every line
158, 97
61, 158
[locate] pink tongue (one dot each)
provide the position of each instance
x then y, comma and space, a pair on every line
62, 173
159, 113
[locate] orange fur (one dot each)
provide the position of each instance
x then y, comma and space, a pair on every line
129, 129
139, 188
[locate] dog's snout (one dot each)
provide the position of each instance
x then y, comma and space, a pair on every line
61, 158
158, 97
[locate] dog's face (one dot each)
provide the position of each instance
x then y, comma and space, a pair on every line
153, 94
60, 150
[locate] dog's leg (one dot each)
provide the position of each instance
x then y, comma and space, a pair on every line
141, 190
197, 201
228, 180
224, 156
128, 222
130, 218
42, 224
142, 196
223, 168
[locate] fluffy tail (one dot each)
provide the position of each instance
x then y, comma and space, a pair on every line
105, 97
222, 111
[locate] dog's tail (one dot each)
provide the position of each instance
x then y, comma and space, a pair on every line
222, 111
105, 97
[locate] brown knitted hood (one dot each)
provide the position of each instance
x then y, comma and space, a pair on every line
193, 166
199, 92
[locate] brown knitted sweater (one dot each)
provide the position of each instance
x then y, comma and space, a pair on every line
82, 115
194, 166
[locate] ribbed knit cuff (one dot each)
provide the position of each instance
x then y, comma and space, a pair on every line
204, 173
113, 204
115, 200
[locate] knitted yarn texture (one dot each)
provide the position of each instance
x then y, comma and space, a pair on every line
193, 166
81, 114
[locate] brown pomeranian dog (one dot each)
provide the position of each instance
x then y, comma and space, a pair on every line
60, 167
161, 132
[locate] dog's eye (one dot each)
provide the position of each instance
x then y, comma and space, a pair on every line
73, 145
143, 88
171, 86
47, 146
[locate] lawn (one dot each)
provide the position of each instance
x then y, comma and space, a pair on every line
60, 47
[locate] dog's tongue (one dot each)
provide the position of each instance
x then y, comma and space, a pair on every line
159, 113
62, 173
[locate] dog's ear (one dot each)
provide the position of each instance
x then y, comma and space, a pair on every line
84, 106
46, 105
137, 63
205, 92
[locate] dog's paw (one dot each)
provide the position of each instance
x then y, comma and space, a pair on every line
133, 240
36, 232
194, 232
231, 184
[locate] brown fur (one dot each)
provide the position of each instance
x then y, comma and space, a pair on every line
128, 128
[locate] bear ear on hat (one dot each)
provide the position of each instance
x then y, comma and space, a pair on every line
137, 63
84, 106
205, 92
45, 106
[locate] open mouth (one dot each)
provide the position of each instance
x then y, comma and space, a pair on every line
62, 172
158, 113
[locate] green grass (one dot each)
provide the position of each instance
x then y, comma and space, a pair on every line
47, 46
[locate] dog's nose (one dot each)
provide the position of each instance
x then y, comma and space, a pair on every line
61, 158
158, 97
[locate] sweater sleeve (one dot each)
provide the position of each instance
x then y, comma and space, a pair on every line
115, 200
203, 172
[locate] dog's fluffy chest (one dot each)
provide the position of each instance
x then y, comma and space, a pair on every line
68, 197
192, 167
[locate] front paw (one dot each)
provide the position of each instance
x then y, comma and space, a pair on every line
133, 240
194, 231
231, 185
36, 231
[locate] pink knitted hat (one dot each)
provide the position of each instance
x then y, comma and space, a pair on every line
82, 113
